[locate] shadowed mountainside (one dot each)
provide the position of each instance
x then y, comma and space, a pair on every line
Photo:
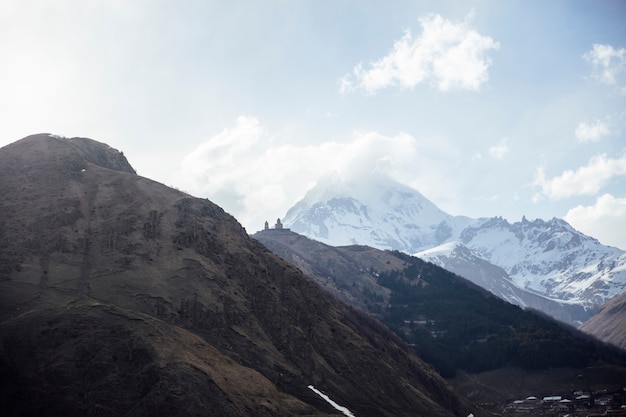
452, 323
345, 272
120, 296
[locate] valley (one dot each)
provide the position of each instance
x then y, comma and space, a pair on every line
490, 351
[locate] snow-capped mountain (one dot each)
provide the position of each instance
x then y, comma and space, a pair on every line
545, 265
549, 261
550, 258
379, 212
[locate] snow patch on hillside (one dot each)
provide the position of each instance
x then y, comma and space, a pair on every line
336, 406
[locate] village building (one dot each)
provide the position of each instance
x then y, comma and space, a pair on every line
565, 406
579, 403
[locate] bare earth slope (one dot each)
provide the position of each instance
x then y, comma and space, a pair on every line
122, 297
609, 324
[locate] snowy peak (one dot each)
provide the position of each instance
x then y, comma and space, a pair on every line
539, 263
549, 257
544, 264
549, 235
378, 211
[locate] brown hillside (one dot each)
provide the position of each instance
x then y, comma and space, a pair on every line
120, 296
609, 324
345, 272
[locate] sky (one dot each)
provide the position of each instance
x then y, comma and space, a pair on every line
488, 108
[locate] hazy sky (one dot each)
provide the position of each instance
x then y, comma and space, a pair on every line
488, 108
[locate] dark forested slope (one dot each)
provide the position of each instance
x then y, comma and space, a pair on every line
452, 323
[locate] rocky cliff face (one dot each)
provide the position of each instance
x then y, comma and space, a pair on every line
120, 296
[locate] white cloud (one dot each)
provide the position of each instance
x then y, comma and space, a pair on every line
604, 220
608, 63
257, 177
498, 151
447, 54
591, 132
224, 148
587, 180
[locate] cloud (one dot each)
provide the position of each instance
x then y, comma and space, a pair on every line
220, 166
224, 148
587, 180
256, 176
604, 220
608, 63
592, 132
498, 151
447, 54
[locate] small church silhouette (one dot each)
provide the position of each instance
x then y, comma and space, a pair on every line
277, 226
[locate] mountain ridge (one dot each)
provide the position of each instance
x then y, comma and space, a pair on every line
121, 296
456, 324
541, 264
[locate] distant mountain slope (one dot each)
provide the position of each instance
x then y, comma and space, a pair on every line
345, 272
551, 258
459, 259
120, 296
451, 322
573, 274
609, 324
546, 265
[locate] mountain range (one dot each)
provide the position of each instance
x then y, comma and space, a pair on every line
121, 296
467, 333
545, 265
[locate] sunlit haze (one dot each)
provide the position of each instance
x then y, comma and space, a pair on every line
487, 108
